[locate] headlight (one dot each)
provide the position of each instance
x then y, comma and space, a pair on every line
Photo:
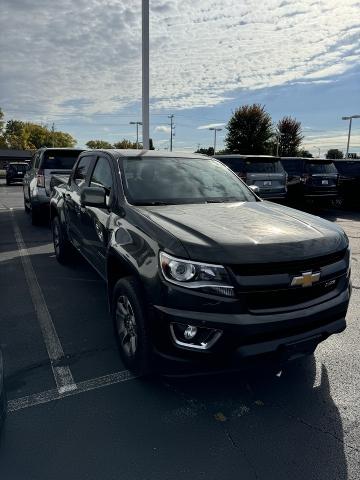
202, 276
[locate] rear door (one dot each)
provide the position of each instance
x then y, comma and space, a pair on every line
95, 221
268, 174
322, 176
77, 181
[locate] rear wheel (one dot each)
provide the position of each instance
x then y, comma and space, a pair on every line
8, 182
62, 246
131, 328
35, 215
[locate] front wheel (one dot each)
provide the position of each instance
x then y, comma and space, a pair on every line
62, 246
131, 328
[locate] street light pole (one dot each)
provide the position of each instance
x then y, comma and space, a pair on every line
215, 130
145, 73
350, 124
137, 132
171, 131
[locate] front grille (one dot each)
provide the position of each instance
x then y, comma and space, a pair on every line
292, 268
290, 297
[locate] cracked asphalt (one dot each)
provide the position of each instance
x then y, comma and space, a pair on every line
303, 423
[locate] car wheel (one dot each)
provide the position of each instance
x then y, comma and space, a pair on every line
8, 182
131, 327
27, 209
62, 246
35, 215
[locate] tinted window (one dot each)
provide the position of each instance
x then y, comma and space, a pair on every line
102, 176
263, 166
181, 180
321, 167
236, 164
348, 168
81, 170
60, 160
294, 167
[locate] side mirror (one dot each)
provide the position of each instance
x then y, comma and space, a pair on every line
255, 189
93, 197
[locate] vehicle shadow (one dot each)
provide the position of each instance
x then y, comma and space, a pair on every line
285, 426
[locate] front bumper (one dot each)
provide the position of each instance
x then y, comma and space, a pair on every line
281, 336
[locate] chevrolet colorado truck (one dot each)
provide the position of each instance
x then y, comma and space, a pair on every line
200, 270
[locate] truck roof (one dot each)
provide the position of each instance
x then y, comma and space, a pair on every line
148, 153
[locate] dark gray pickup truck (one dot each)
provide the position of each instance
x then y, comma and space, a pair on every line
199, 270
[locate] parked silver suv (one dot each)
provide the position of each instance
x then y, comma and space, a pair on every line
46, 162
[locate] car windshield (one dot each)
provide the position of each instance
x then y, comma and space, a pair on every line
321, 167
60, 160
264, 166
162, 180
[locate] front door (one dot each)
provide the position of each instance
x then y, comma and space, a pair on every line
95, 221
73, 206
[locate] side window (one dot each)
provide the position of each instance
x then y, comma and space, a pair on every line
102, 175
81, 170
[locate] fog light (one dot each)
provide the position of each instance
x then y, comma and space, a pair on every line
190, 332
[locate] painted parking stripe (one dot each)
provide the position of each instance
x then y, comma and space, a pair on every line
85, 386
62, 374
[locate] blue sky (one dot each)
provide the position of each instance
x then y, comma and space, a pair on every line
298, 58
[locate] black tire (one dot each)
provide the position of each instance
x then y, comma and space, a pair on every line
131, 326
35, 216
27, 209
8, 182
62, 246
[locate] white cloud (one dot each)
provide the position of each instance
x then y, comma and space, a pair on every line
162, 129
211, 125
85, 56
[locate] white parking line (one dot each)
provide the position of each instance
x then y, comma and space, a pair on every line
62, 374
85, 386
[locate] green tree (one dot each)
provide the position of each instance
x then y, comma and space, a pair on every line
98, 144
249, 130
304, 154
126, 144
2, 124
290, 136
334, 153
206, 151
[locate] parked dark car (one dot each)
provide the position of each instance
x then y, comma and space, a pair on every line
2, 392
265, 172
15, 172
311, 178
198, 268
46, 162
349, 181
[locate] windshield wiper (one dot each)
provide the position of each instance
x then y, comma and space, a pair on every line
147, 204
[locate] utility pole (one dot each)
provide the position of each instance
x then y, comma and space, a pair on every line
145, 73
53, 134
350, 123
137, 132
172, 126
215, 130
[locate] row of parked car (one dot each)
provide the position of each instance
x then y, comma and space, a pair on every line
273, 178
298, 179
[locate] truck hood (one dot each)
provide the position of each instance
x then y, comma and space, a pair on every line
247, 232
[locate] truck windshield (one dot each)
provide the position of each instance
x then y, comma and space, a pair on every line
151, 181
321, 167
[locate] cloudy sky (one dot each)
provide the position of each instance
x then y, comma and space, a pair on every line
78, 64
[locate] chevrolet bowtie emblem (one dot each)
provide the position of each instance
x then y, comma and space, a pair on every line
306, 279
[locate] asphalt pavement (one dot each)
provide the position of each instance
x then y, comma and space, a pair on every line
104, 424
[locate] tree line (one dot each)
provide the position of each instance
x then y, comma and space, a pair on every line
251, 131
